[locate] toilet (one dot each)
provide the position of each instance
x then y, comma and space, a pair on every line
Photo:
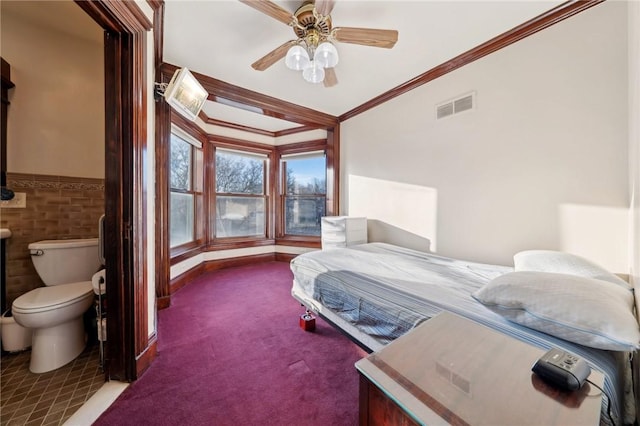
55, 312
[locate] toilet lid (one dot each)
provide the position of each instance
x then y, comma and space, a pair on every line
45, 298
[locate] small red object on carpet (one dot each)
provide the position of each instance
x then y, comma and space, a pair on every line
307, 322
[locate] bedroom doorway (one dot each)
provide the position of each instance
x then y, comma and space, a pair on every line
125, 136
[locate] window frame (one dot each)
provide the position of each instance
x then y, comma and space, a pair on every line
331, 206
284, 187
228, 144
264, 195
197, 186
274, 208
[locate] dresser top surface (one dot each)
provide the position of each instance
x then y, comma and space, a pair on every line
469, 374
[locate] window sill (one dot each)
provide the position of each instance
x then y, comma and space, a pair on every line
299, 241
180, 253
234, 243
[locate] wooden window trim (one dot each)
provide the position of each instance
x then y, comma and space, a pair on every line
307, 119
331, 208
283, 195
198, 201
273, 210
237, 242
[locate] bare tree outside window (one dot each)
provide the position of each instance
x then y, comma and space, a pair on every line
240, 194
181, 200
238, 174
305, 194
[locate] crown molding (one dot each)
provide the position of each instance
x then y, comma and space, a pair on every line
539, 23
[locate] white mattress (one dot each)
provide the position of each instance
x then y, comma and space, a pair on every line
376, 292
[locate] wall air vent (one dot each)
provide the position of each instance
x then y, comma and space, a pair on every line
463, 103
445, 110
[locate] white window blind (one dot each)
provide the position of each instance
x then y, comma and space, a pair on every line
252, 155
302, 155
185, 136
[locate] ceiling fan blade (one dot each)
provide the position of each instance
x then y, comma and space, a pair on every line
269, 8
324, 7
272, 57
367, 36
330, 78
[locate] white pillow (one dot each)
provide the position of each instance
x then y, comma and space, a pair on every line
587, 311
564, 263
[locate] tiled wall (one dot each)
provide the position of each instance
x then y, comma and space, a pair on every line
58, 207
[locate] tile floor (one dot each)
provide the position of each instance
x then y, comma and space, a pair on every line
48, 398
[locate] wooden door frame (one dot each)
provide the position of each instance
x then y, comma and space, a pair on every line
129, 348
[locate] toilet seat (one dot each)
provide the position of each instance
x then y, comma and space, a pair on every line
44, 299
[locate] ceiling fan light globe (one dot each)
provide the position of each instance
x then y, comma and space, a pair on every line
297, 58
313, 73
326, 55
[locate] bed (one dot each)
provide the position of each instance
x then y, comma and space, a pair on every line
376, 292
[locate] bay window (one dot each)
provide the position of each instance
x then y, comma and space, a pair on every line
304, 191
235, 194
185, 183
241, 194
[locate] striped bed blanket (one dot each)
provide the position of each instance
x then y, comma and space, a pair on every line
385, 291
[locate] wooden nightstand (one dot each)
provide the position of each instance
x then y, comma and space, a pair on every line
452, 370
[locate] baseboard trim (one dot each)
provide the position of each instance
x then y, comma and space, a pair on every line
214, 265
285, 257
144, 360
163, 302
183, 279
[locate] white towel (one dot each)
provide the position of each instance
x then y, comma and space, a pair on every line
99, 281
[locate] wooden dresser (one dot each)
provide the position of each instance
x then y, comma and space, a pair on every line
450, 370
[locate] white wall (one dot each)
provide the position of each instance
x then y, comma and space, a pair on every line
56, 119
542, 160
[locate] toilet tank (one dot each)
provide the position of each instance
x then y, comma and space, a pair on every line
65, 261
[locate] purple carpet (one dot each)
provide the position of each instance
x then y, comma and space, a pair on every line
231, 352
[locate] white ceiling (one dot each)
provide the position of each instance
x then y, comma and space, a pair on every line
223, 38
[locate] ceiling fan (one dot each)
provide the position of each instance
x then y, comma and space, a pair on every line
313, 52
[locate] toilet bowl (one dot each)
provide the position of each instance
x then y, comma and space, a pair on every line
55, 316
55, 312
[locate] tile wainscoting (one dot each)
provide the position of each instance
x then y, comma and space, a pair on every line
58, 207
